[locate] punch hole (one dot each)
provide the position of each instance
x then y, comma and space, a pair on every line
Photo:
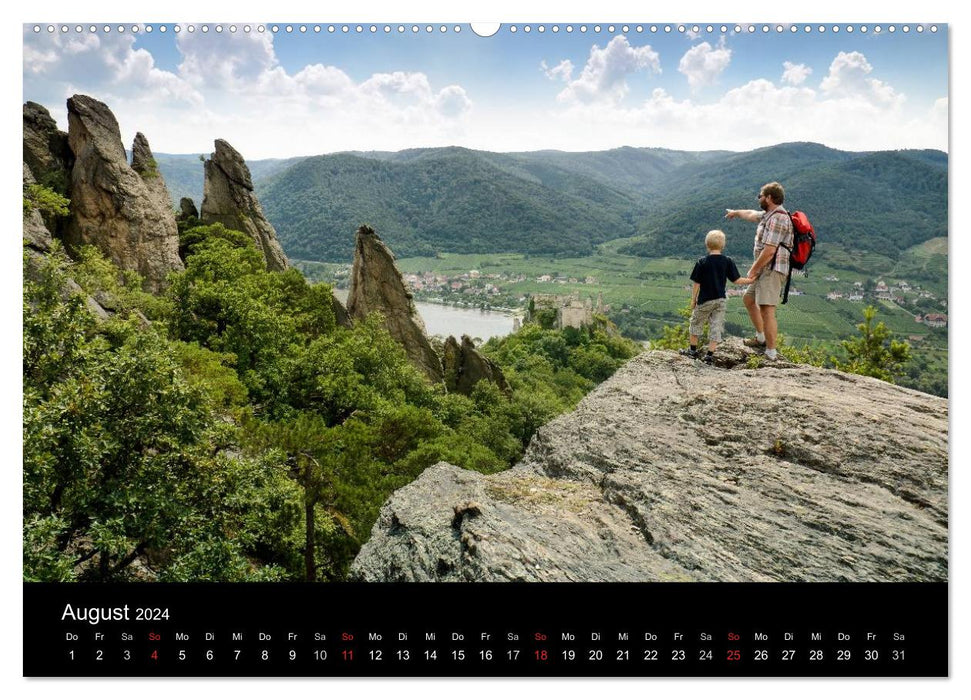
162, 29
485, 29
681, 28
596, 29
513, 29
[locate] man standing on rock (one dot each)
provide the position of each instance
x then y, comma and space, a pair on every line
773, 241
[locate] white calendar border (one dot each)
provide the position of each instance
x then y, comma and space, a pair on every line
815, 11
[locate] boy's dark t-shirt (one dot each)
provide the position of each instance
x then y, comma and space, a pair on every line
711, 272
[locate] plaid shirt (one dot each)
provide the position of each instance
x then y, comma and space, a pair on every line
775, 229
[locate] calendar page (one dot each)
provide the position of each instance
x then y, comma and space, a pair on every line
543, 349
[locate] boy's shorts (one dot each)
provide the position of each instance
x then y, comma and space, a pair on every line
711, 312
767, 288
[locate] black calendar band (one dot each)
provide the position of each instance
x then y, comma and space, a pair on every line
425, 630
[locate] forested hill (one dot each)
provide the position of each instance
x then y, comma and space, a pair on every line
881, 202
452, 200
425, 201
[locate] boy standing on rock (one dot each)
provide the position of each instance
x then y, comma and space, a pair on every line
708, 294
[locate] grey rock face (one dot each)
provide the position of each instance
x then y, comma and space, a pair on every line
46, 149
228, 199
465, 367
377, 285
36, 233
674, 470
114, 207
143, 163
187, 209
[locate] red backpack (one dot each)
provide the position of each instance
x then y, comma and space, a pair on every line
803, 245
804, 242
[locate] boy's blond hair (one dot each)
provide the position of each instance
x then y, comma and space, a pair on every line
715, 240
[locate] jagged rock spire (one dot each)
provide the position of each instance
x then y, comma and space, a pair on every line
229, 199
114, 207
377, 285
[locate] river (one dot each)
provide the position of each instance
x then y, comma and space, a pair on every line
451, 320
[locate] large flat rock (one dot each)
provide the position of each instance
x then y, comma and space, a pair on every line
674, 470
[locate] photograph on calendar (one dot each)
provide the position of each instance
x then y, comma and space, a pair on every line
485, 303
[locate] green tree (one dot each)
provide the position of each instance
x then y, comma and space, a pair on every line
874, 352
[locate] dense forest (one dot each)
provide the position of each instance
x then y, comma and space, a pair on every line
230, 430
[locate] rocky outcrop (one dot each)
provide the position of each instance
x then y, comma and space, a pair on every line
143, 163
377, 286
46, 149
676, 471
465, 367
113, 207
36, 233
187, 209
228, 199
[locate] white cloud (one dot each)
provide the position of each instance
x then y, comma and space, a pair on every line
848, 78
604, 77
108, 63
760, 113
562, 71
702, 63
225, 61
236, 88
795, 73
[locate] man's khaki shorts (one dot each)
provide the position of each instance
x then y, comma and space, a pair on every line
767, 288
711, 312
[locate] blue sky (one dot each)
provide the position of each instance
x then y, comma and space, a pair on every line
284, 94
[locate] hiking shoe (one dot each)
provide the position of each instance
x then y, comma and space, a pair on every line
753, 343
688, 352
708, 359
